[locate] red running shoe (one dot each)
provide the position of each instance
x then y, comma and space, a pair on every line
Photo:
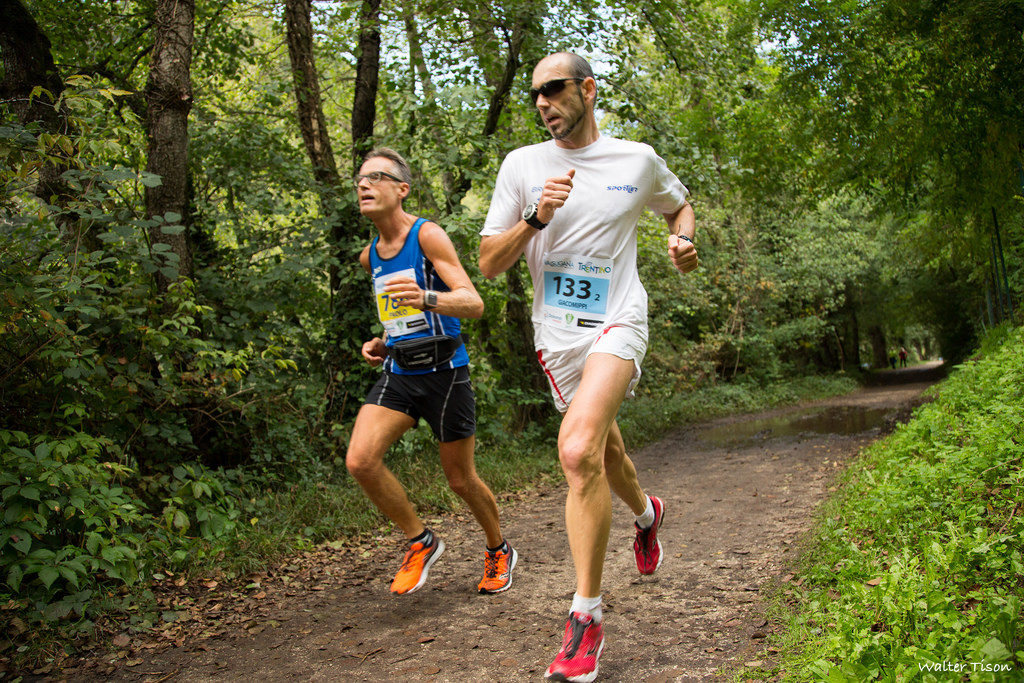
646, 546
581, 648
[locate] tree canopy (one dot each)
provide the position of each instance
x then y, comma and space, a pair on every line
182, 306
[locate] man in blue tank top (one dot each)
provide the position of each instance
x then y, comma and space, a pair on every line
420, 290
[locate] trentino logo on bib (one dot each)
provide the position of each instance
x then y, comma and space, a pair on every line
576, 289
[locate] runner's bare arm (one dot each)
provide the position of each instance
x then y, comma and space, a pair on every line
682, 226
498, 253
682, 221
462, 301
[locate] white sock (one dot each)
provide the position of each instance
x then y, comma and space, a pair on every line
591, 606
647, 518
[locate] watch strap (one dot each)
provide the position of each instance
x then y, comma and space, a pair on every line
534, 222
530, 216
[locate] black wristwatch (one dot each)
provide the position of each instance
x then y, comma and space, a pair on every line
429, 300
530, 216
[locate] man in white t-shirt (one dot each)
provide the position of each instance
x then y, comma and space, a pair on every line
571, 205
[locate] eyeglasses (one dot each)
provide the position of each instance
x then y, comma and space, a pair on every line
552, 87
375, 177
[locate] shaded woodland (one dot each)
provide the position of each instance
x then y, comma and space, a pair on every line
181, 308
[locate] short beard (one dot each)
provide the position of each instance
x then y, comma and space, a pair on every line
567, 131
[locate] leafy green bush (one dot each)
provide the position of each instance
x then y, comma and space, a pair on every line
917, 563
117, 396
66, 519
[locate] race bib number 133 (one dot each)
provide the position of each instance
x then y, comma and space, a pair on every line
576, 290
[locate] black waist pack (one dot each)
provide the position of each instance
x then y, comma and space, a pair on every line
424, 352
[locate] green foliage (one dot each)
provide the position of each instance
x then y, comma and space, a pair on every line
917, 561
114, 395
190, 429
915, 105
67, 519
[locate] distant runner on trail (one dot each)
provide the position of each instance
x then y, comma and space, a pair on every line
421, 290
572, 204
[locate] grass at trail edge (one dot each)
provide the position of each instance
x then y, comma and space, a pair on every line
914, 570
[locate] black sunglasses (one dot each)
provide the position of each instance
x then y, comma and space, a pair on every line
375, 177
552, 87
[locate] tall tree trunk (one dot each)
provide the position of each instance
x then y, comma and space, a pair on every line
306, 82
168, 102
27, 65
517, 367
364, 102
350, 317
511, 352
420, 73
879, 348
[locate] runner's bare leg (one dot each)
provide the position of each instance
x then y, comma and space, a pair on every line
621, 473
375, 430
582, 442
459, 468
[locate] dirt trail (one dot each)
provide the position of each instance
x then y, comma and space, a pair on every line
739, 493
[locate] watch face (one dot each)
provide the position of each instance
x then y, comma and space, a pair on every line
529, 212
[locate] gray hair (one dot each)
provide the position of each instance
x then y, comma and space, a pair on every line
401, 165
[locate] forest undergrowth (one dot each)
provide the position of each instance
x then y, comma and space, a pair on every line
914, 570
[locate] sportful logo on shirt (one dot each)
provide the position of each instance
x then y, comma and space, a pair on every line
628, 189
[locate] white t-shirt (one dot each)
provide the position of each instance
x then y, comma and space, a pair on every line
583, 264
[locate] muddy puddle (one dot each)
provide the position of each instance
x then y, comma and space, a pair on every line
842, 420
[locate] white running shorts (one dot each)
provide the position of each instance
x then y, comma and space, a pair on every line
564, 368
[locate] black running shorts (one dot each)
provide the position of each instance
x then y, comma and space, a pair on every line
444, 399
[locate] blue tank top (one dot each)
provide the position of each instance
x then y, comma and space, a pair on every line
406, 322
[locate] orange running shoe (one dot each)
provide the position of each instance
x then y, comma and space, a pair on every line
498, 568
413, 572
